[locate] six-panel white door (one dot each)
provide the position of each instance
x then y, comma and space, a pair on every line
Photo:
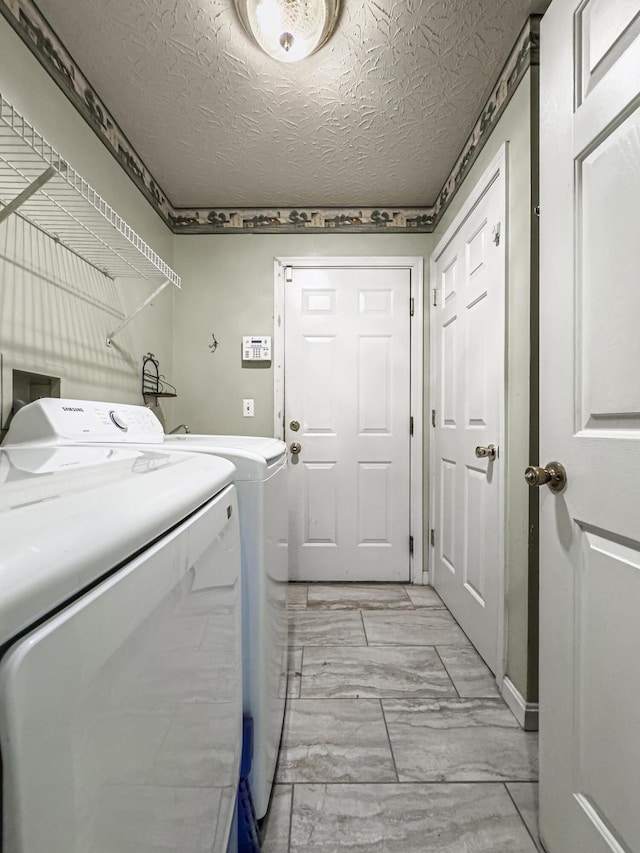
590, 423
467, 351
347, 383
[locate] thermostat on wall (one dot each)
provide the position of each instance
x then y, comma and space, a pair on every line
256, 348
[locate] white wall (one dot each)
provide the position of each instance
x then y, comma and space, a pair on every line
55, 310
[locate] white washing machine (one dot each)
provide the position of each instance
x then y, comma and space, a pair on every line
261, 481
120, 650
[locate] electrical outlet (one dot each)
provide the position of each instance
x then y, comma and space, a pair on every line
247, 408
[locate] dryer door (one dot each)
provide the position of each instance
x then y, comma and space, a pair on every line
120, 716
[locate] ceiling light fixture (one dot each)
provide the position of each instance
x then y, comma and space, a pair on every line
289, 30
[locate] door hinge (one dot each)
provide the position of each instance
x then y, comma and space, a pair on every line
412, 307
433, 417
435, 296
432, 537
288, 274
536, 210
411, 425
411, 545
495, 234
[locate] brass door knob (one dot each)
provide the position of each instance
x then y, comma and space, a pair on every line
490, 452
552, 475
295, 448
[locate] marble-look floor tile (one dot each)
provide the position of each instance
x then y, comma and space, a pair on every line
276, 827
459, 740
406, 819
525, 796
319, 629
426, 627
354, 596
294, 676
424, 596
374, 672
335, 740
467, 670
297, 596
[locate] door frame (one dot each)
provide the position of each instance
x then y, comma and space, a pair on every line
416, 267
496, 171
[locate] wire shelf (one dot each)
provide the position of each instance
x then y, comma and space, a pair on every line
67, 207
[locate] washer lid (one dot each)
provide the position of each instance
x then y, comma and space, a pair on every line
70, 515
252, 455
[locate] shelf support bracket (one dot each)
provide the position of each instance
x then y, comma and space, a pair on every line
127, 320
26, 193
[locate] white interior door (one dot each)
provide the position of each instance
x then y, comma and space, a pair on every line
467, 351
590, 422
347, 383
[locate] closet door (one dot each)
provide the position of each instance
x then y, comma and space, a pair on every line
467, 398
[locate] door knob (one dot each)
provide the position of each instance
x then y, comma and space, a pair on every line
295, 448
553, 475
490, 452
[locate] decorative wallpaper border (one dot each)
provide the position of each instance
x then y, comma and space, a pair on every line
31, 25
296, 220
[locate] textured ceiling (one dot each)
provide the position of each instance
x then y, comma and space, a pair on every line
377, 117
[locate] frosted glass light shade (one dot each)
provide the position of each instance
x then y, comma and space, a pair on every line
289, 30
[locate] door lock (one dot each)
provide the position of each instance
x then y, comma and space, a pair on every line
552, 475
294, 425
490, 452
295, 448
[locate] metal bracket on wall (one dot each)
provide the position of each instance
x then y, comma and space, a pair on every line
127, 320
26, 194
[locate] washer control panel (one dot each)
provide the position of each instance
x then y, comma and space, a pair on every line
51, 419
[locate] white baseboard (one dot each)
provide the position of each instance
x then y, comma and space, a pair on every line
420, 579
526, 713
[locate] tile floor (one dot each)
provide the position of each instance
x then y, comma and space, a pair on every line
395, 739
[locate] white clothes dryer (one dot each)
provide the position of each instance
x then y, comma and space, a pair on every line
120, 650
261, 481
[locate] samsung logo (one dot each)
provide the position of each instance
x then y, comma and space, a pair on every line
72, 409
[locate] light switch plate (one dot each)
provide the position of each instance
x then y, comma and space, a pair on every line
247, 408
